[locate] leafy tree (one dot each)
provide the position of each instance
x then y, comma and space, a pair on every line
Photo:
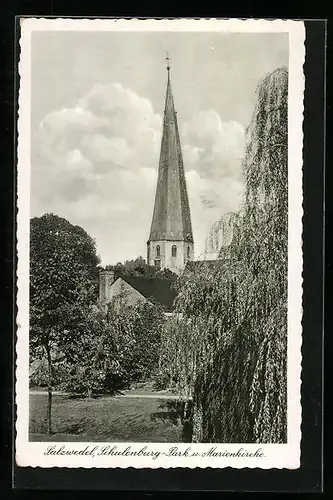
139, 267
147, 328
117, 349
63, 286
93, 359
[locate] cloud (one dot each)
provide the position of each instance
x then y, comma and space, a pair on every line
213, 150
209, 200
96, 165
213, 147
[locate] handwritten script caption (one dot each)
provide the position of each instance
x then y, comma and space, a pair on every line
154, 453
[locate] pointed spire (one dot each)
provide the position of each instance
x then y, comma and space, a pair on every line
171, 217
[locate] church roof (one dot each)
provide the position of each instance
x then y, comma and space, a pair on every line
171, 217
158, 289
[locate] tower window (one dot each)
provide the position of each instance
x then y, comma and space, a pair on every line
158, 251
174, 251
188, 252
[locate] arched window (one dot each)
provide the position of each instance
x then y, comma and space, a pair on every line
174, 251
188, 252
158, 251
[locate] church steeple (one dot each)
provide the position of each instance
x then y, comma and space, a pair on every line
170, 242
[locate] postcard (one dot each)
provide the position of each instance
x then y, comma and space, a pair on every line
159, 243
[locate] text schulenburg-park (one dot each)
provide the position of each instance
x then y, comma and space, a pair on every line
173, 451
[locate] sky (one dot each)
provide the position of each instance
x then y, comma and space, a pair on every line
97, 102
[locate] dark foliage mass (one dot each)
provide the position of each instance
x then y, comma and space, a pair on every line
63, 289
227, 347
116, 350
63, 281
139, 268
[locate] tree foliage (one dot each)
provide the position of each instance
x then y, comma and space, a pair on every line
63, 289
147, 328
139, 267
226, 348
117, 349
63, 280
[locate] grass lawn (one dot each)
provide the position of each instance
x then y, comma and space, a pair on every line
105, 419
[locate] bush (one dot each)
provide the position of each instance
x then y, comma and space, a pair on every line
39, 374
116, 350
161, 381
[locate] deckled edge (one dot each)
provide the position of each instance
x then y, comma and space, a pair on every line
23, 103
295, 233
22, 308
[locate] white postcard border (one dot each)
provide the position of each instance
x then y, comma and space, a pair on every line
158, 455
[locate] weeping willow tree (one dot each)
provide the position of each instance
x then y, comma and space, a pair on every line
226, 347
220, 234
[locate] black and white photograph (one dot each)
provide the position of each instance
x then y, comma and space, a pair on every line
159, 243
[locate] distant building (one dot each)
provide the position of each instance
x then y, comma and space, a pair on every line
137, 289
170, 244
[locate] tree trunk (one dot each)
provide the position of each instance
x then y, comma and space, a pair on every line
49, 391
187, 422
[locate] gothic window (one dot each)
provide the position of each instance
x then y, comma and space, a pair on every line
174, 251
158, 251
188, 252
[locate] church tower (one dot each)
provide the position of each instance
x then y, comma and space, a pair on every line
170, 243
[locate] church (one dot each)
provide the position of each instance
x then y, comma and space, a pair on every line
170, 244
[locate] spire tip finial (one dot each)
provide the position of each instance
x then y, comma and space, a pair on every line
168, 61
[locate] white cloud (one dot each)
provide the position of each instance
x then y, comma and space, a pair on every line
96, 165
216, 146
77, 162
213, 149
73, 119
128, 115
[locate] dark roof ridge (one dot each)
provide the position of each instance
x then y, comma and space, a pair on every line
158, 288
